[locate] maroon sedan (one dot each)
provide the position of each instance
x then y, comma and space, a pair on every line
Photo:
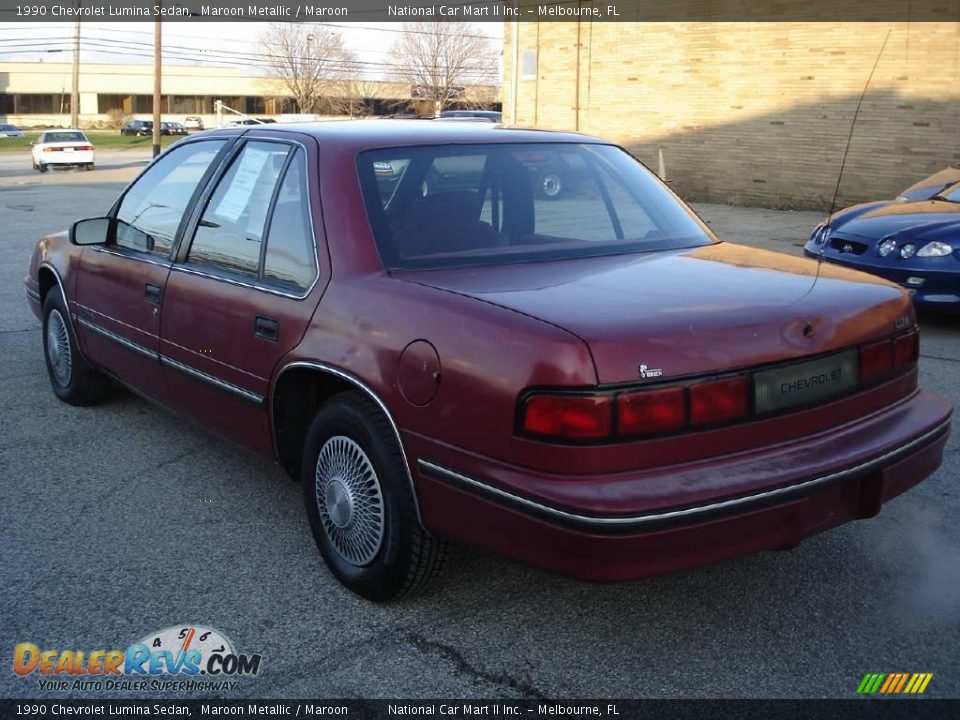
594, 384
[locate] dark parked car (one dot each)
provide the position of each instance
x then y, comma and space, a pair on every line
913, 241
172, 128
596, 385
137, 127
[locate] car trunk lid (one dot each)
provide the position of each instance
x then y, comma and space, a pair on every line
664, 315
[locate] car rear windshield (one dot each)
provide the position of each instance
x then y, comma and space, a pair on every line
448, 206
64, 137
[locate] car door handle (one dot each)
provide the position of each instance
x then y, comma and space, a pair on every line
266, 328
152, 294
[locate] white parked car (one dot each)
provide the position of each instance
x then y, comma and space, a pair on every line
12, 131
193, 122
62, 148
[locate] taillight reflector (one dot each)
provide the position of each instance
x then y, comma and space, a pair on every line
650, 411
578, 417
876, 361
906, 350
718, 401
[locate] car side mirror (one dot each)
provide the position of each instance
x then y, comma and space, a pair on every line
92, 231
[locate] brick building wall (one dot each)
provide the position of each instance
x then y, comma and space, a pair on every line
752, 113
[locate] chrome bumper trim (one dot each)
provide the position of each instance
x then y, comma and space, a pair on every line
692, 513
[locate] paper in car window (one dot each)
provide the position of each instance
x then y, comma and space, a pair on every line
237, 197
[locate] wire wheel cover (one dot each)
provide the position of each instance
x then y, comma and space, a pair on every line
349, 500
58, 348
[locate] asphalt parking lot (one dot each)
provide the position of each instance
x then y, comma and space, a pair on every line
121, 520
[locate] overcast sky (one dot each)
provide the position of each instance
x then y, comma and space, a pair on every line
199, 44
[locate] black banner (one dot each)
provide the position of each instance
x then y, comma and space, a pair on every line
365, 11
900, 709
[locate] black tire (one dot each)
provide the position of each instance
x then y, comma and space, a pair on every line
392, 559
79, 384
41, 167
89, 167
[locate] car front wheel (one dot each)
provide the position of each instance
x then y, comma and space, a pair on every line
72, 379
360, 504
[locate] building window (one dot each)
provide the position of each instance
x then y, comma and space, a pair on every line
107, 103
142, 103
6, 104
41, 104
528, 65
254, 105
184, 104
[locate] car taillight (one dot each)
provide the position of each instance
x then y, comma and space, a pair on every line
83, 147
50, 149
718, 401
574, 417
906, 350
876, 361
651, 411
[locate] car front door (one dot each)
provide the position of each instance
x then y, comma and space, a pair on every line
242, 290
120, 284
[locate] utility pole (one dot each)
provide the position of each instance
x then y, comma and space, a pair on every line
75, 91
157, 52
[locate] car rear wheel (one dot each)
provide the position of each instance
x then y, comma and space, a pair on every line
89, 166
41, 167
72, 379
360, 504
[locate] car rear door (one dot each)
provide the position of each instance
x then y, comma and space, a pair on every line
120, 284
243, 288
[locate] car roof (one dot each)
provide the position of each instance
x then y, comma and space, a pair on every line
393, 133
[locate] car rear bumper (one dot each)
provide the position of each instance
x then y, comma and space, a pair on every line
83, 157
801, 499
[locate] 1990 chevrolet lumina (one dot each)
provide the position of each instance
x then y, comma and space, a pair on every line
593, 383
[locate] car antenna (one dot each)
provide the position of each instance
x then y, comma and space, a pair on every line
846, 150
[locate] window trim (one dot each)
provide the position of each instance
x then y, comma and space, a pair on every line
179, 258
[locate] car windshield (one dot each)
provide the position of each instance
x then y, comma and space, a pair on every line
65, 136
449, 206
951, 193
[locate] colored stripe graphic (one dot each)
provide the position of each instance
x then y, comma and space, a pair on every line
894, 683
903, 680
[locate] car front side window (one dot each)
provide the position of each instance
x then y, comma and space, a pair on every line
151, 210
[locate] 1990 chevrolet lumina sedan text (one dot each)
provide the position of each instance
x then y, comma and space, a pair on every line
594, 384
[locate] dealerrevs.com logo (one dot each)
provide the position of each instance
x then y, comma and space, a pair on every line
178, 658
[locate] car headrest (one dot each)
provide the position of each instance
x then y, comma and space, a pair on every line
456, 207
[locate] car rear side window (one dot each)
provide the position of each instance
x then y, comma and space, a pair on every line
289, 260
151, 210
231, 231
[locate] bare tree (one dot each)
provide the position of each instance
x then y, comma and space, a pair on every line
351, 88
440, 59
304, 60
